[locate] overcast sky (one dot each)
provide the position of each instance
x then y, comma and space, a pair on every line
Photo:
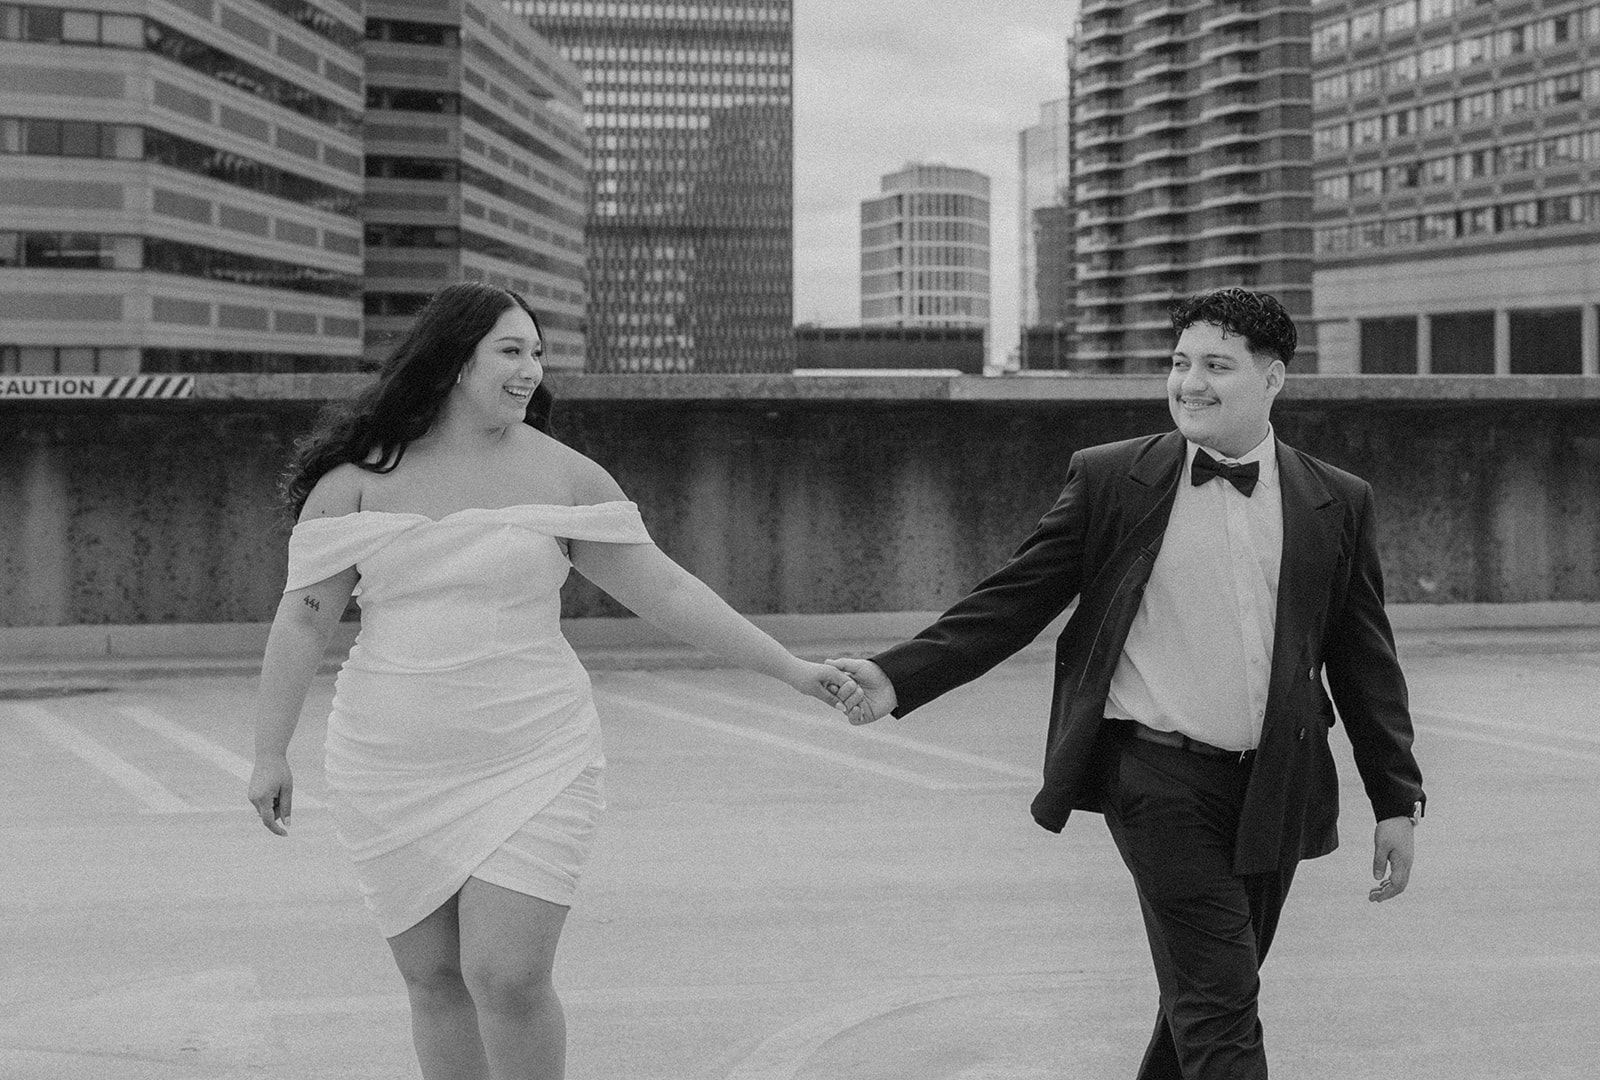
878, 83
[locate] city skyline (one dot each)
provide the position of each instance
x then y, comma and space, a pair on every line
878, 86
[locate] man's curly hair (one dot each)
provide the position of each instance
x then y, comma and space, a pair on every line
1257, 317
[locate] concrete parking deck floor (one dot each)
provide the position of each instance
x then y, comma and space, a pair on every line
778, 896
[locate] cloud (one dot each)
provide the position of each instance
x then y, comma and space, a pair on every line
882, 83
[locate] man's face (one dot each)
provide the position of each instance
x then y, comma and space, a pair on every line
1219, 394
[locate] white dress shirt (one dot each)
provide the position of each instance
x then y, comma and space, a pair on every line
1198, 658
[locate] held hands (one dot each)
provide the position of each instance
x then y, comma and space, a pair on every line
272, 792
826, 683
1393, 846
876, 697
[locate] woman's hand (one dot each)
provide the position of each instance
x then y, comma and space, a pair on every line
272, 791
827, 684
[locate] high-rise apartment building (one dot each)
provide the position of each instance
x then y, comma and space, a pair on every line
181, 183
1457, 186
690, 235
1191, 126
925, 249
1045, 238
476, 165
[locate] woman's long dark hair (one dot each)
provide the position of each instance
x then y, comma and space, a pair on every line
405, 397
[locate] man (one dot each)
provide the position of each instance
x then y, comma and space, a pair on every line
1189, 706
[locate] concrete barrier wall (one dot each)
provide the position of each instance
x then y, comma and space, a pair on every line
792, 495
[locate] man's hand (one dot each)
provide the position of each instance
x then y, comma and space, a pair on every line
877, 692
1393, 846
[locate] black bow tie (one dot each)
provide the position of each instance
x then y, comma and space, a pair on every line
1243, 477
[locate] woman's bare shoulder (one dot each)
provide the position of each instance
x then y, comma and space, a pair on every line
337, 492
584, 480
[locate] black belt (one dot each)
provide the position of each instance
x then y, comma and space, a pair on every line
1182, 742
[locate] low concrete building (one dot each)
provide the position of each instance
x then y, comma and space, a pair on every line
1457, 187
903, 348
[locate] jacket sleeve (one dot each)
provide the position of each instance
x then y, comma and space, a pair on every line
1367, 684
1004, 612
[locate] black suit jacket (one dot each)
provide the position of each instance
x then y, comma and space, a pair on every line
1098, 544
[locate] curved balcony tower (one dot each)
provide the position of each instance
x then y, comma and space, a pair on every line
1195, 117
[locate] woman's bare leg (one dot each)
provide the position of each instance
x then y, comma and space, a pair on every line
444, 1023
508, 948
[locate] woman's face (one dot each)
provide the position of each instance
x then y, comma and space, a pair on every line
498, 379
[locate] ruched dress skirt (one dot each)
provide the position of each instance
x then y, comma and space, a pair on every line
463, 740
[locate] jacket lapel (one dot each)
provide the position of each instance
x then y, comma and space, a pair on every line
1151, 479
1311, 518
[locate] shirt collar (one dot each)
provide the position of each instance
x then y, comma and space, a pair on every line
1265, 452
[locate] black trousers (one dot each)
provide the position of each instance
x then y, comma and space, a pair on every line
1173, 815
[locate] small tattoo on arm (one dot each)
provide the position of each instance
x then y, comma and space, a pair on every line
311, 602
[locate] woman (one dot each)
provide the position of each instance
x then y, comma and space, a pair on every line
463, 750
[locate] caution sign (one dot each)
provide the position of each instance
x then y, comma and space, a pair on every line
96, 386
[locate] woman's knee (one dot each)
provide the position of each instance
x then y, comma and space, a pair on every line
434, 984
506, 990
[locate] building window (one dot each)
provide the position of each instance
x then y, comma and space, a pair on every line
1402, 177
1330, 88
1334, 188
1517, 98
1475, 108
1401, 16
1389, 346
1561, 89
1547, 342
1439, 115
1367, 182
1433, 10
1400, 232
1366, 26
1438, 60
1513, 42
1463, 343
1477, 221
1473, 50
1519, 215
1518, 157
1438, 226
1332, 137
1330, 39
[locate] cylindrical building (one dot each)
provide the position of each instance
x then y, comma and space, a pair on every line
925, 249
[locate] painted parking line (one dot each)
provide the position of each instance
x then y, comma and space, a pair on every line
202, 747
1453, 725
1507, 726
871, 734
156, 798
666, 712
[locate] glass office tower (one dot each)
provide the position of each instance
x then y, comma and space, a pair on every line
690, 232
476, 167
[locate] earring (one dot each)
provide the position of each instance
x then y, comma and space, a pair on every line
458, 378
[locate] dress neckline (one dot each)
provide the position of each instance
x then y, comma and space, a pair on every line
471, 510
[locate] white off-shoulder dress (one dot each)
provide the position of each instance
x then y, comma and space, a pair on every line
463, 739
